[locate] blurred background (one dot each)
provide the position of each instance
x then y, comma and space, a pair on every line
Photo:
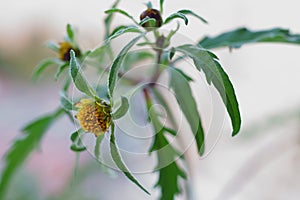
262, 162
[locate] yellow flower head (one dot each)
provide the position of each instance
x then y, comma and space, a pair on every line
64, 51
93, 116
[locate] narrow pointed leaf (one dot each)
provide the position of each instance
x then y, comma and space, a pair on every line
78, 77
161, 6
119, 162
177, 15
70, 32
122, 110
123, 12
241, 36
65, 102
108, 20
207, 62
43, 65
189, 12
113, 73
187, 103
60, 70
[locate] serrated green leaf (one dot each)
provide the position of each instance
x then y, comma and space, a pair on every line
65, 102
108, 20
168, 180
241, 36
43, 65
169, 172
187, 103
70, 32
123, 12
161, 6
206, 61
177, 15
118, 160
189, 12
22, 147
60, 70
113, 72
78, 77
122, 110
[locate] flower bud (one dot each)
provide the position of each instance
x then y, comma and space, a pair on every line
154, 14
64, 51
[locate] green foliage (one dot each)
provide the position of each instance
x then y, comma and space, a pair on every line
117, 63
188, 106
43, 65
169, 171
60, 70
189, 12
21, 148
116, 10
122, 110
115, 154
241, 36
207, 62
65, 102
163, 54
161, 6
108, 20
77, 145
78, 78
176, 15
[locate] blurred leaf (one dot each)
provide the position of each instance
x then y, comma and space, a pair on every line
78, 78
113, 73
188, 78
169, 172
116, 10
161, 6
108, 20
122, 110
65, 102
206, 61
60, 69
134, 57
149, 20
161, 100
70, 32
122, 30
189, 12
77, 145
118, 160
177, 15
43, 65
22, 147
241, 36
186, 101
98, 145
53, 46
